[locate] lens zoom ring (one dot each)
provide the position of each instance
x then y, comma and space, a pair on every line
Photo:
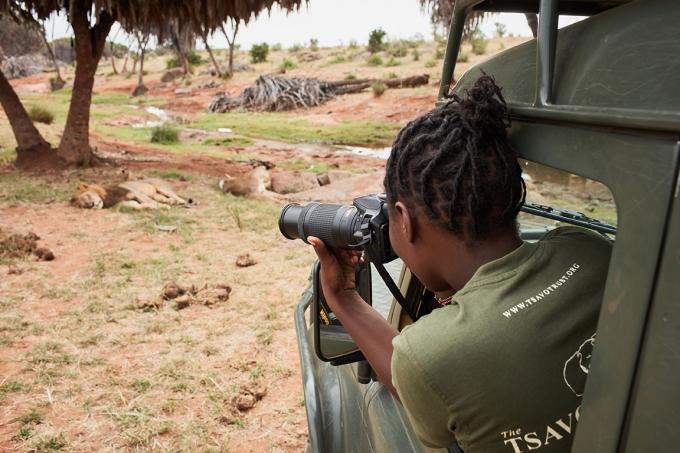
320, 222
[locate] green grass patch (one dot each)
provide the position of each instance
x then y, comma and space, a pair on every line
41, 115
165, 134
18, 188
171, 174
279, 126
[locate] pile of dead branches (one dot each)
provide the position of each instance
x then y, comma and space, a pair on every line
276, 93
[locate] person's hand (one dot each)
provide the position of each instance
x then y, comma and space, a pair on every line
337, 267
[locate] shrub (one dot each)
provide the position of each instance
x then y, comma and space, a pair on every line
286, 65
350, 77
338, 59
392, 62
295, 48
375, 40
479, 45
259, 52
501, 29
160, 51
463, 57
399, 50
431, 64
416, 55
194, 58
172, 63
313, 44
165, 134
276, 47
378, 89
353, 45
374, 60
392, 75
41, 115
439, 53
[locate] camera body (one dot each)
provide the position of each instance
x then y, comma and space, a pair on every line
362, 225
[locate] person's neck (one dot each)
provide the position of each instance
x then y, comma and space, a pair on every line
468, 258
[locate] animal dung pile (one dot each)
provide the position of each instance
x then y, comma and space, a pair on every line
246, 399
274, 93
183, 296
245, 260
13, 245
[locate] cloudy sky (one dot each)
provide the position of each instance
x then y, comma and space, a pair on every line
334, 22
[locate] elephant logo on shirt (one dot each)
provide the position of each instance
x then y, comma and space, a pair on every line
576, 369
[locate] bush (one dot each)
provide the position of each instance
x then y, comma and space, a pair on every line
431, 64
399, 49
287, 65
160, 51
338, 59
259, 52
295, 48
416, 55
392, 75
353, 45
165, 134
479, 45
501, 30
194, 58
463, 57
439, 53
392, 62
378, 89
350, 77
313, 45
374, 60
172, 63
276, 47
375, 40
41, 115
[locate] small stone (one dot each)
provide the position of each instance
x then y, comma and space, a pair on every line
182, 302
245, 260
44, 254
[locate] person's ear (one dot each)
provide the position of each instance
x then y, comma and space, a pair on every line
405, 221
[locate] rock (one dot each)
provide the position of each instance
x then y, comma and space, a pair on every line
338, 175
149, 304
183, 91
182, 302
172, 74
44, 254
56, 84
172, 290
284, 182
245, 260
323, 179
223, 103
22, 66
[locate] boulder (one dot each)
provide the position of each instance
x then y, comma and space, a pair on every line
338, 175
172, 74
293, 181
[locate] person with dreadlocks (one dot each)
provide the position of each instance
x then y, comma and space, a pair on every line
502, 367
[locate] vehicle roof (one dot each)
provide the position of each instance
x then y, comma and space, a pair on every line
624, 63
568, 7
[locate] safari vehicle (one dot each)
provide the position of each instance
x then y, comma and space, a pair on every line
599, 99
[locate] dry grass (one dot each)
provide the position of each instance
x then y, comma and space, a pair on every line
83, 368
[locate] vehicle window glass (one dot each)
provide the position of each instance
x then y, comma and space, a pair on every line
381, 296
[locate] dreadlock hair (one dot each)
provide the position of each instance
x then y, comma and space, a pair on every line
457, 165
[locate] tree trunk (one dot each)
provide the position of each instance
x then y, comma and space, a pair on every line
134, 64
218, 70
31, 146
59, 80
113, 63
231, 60
532, 21
89, 43
140, 89
127, 55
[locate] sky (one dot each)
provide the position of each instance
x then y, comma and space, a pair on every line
334, 22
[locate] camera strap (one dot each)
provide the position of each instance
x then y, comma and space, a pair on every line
387, 278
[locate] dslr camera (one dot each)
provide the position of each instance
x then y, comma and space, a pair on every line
361, 225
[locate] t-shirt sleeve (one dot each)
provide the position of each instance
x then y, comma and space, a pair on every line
424, 406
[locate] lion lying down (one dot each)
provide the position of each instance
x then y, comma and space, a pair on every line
142, 194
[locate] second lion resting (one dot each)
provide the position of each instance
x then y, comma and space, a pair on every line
149, 193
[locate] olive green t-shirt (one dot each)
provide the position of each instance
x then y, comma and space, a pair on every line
502, 369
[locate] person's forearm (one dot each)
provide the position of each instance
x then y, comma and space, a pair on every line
369, 330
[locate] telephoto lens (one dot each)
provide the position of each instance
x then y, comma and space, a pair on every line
334, 224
